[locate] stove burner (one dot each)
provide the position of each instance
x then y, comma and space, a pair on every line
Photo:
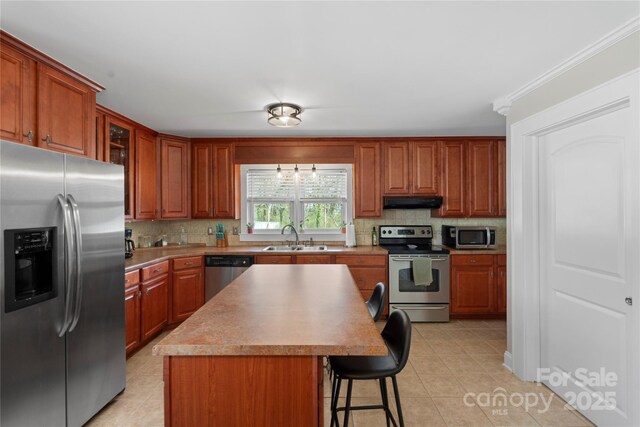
409, 239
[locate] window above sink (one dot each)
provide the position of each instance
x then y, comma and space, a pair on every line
318, 204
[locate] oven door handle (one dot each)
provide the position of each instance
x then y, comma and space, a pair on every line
411, 259
488, 237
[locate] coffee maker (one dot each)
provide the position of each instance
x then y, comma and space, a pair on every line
129, 246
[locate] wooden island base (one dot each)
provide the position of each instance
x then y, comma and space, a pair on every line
243, 390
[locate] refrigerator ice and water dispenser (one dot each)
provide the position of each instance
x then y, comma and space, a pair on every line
29, 267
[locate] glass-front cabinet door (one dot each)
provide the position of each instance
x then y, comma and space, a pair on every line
119, 150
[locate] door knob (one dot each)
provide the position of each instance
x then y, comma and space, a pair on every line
628, 300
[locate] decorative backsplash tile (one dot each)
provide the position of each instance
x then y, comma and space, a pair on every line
197, 228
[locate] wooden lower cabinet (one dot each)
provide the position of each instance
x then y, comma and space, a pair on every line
476, 285
154, 306
132, 297
187, 287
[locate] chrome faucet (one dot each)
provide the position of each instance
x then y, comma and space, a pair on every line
294, 230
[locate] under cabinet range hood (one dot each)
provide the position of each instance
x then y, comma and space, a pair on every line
411, 202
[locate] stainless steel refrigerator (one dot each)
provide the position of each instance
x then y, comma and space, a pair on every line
62, 347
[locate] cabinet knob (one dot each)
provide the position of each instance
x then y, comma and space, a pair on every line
29, 136
47, 139
126, 281
188, 263
146, 292
139, 294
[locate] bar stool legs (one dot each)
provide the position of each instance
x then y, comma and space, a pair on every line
348, 405
395, 391
385, 398
335, 395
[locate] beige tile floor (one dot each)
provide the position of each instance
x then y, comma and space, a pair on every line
447, 361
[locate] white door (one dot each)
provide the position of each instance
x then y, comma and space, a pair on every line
589, 198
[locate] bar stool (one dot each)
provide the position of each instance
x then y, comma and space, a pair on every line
375, 303
397, 337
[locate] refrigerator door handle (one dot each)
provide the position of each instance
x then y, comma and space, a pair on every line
75, 213
69, 248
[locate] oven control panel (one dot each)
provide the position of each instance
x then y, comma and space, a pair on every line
406, 231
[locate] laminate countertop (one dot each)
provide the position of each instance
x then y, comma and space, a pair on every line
143, 257
280, 310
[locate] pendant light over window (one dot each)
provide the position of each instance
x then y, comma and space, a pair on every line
284, 115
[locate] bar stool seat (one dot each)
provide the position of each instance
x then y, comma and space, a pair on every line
364, 367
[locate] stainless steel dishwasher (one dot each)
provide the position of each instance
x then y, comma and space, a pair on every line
222, 270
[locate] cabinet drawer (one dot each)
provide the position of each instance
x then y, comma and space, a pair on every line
362, 260
313, 259
472, 260
502, 260
190, 262
155, 270
131, 278
367, 278
274, 259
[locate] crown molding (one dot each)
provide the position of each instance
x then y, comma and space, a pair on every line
503, 105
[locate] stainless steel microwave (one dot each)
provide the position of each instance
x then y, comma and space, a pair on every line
469, 237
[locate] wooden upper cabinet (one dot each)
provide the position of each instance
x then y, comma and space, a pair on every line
452, 179
223, 181
117, 143
410, 167
425, 167
482, 178
367, 191
502, 178
175, 177
146, 172
471, 178
201, 180
213, 188
397, 167
66, 113
18, 96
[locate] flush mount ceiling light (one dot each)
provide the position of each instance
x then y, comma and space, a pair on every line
284, 115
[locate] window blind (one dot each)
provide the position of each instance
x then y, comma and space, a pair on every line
328, 184
265, 185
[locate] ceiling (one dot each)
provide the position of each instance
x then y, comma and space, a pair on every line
359, 68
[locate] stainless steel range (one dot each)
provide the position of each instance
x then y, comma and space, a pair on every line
426, 302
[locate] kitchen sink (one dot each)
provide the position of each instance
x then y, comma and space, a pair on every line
298, 248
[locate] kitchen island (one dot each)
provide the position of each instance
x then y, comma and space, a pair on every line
253, 354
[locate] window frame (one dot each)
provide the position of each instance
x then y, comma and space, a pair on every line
297, 203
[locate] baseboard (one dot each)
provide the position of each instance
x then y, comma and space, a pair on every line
508, 361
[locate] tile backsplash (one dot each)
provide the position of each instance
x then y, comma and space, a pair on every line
197, 228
